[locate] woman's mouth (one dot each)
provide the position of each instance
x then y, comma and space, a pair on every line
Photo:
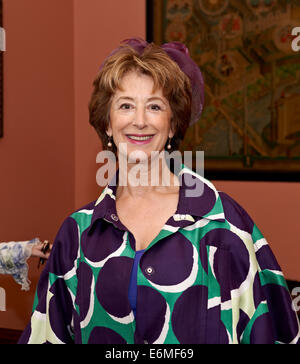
139, 139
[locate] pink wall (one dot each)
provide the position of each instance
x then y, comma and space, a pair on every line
48, 153
37, 151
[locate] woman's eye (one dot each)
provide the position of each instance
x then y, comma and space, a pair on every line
155, 107
125, 107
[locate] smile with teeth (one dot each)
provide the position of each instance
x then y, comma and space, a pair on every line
141, 138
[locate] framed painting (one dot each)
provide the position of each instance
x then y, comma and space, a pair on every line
250, 126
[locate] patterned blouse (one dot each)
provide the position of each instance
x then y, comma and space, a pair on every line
209, 276
13, 260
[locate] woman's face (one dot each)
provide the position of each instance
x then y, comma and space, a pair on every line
139, 117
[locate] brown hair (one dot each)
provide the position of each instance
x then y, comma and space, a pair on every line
166, 75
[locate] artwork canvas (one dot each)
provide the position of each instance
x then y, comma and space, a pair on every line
250, 127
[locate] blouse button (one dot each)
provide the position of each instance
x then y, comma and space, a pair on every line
149, 270
114, 217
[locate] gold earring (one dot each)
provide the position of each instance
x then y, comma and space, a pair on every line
169, 146
109, 144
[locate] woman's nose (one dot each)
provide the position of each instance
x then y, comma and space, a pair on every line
139, 119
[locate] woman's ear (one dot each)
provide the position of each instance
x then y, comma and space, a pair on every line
172, 130
109, 130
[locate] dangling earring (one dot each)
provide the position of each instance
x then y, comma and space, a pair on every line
109, 144
169, 146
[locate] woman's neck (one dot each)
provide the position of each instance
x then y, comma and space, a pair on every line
150, 177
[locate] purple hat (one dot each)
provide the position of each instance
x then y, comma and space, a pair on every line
179, 53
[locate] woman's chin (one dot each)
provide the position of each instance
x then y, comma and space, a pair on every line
138, 156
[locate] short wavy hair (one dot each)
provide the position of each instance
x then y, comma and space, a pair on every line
166, 74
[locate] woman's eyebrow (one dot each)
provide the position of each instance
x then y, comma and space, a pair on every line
121, 98
155, 98
152, 98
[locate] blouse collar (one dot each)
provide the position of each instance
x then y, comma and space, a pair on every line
198, 198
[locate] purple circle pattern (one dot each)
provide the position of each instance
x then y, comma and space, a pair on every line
266, 259
60, 310
65, 254
227, 241
191, 307
260, 332
111, 279
95, 250
171, 262
84, 288
206, 201
277, 295
151, 311
235, 214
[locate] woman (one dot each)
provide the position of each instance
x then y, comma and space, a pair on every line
149, 264
13, 259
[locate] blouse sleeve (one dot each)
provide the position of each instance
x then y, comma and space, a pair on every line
283, 317
13, 260
264, 310
54, 309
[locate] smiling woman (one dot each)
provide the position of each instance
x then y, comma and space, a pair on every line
140, 116
153, 263
165, 79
